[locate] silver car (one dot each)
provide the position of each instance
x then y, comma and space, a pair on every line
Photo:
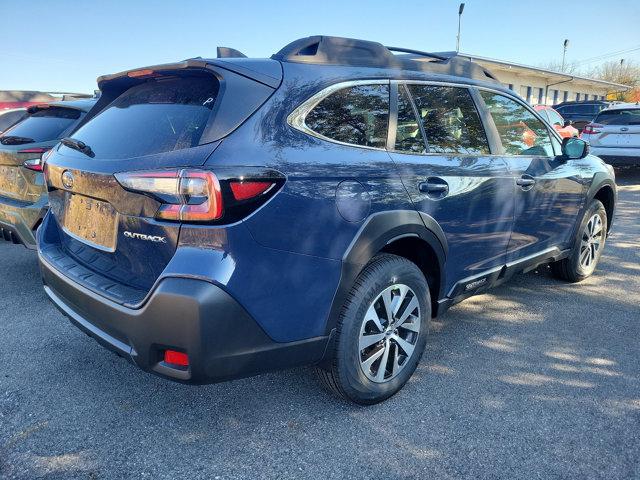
614, 135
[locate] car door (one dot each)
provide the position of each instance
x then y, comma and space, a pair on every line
445, 161
549, 189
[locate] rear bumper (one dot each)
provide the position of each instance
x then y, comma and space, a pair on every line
19, 220
191, 315
617, 156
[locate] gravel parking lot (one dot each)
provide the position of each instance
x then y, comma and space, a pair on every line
537, 379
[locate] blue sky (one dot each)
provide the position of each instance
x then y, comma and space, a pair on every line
64, 45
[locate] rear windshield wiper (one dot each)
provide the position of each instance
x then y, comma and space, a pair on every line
78, 145
14, 140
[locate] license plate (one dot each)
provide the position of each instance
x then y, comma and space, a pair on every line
91, 221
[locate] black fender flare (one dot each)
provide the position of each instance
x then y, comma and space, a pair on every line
377, 231
600, 180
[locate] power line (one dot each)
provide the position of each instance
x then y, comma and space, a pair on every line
604, 56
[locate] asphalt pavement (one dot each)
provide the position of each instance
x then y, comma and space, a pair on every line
537, 379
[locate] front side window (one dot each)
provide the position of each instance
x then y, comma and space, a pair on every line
356, 115
520, 131
450, 120
554, 117
159, 115
46, 124
408, 134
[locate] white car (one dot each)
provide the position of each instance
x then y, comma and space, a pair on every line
614, 135
10, 117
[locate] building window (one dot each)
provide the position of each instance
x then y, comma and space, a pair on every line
529, 94
555, 96
540, 96
511, 86
577, 97
565, 97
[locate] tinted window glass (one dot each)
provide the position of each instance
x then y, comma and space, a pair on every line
450, 119
47, 124
357, 115
554, 117
9, 118
157, 116
520, 131
408, 135
619, 117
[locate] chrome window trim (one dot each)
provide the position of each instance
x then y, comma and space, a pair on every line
296, 119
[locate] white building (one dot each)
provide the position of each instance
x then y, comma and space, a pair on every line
545, 87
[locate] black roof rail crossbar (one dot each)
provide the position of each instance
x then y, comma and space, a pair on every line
325, 50
227, 52
418, 52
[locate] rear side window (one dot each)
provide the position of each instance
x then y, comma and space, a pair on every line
357, 115
520, 130
47, 124
159, 115
450, 119
629, 116
408, 134
10, 118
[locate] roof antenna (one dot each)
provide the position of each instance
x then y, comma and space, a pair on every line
227, 52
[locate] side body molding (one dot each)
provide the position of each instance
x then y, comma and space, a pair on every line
379, 230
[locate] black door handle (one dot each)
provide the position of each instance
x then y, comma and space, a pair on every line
434, 187
526, 182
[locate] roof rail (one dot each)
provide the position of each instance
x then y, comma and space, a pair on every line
321, 49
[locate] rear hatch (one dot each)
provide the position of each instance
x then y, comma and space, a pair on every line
619, 128
28, 140
161, 121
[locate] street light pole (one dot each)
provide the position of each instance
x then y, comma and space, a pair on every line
564, 53
460, 10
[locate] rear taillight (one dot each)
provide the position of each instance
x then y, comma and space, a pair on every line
189, 195
592, 128
35, 163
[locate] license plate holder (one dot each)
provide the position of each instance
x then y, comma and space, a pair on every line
90, 221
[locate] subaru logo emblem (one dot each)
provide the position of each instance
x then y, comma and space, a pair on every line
624, 129
67, 179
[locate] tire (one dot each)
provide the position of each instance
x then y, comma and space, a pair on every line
576, 266
388, 280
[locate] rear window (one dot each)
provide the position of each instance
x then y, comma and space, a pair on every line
629, 116
356, 115
159, 115
48, 124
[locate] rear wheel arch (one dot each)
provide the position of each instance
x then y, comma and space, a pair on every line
403, 233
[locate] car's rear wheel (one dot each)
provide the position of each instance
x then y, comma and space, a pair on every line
381, 332
587, 247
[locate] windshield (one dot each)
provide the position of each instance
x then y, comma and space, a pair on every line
159, 115
48, 124
629, 116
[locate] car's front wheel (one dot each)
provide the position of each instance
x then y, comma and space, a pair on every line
381, 332
587, 246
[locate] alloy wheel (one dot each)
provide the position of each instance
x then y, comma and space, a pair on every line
591, 242
389, 333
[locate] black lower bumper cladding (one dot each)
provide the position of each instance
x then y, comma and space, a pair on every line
194, 316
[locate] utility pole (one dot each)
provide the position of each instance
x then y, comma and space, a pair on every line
564, 53
460, 10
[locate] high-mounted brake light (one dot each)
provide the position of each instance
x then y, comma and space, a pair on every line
35, 163
592, 128
140, 73
186, 195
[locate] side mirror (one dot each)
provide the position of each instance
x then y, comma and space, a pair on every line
574, 148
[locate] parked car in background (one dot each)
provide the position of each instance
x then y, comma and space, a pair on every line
23, 192
10, 117
213, 219
562, 126
580, 113
27, 98
614, 135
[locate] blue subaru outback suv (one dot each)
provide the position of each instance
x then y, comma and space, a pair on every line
213, 219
